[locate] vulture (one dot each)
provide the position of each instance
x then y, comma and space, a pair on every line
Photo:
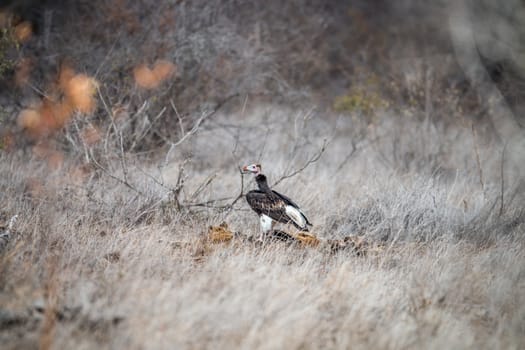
271, 206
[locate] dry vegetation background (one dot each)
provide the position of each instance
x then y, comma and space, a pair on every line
122, 127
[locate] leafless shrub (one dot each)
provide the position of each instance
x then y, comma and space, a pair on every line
130, 258
112, 248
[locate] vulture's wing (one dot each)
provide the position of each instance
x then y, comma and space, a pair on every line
300, 218
272, 206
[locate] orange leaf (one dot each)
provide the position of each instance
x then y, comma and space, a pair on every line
151, 78
23, 31
80, 91
29, 119
65, 75
144, 77
62, 112
163, 69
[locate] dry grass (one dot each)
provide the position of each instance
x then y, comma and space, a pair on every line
94, 264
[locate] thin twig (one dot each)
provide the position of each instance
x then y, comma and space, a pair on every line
244, 105
195, 128
174, 191
144, 132
173, 145
107, 54
67, 134
219, 208
119, 134
226, 207
310, 161
39, 91
241, 192
181, 125
478, 161
263, 147
210, 202
502, 174
86, 153
108, 173
203, 185
154, 179
179, 185
347, 158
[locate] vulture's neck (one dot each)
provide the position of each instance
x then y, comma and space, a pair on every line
262, 183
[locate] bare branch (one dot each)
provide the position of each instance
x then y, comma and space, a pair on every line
77, 129
478, 161
174, 191
179, 184
310, 161
39, 91
118, 133
244, 105
241, 193
181, 125
259, 157
154, 179
195, 127
502, 174
173, 145
202, 186
347, 158
210, 202
108, 173
144, 132
226, 207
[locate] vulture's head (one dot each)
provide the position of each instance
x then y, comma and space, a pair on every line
252, 168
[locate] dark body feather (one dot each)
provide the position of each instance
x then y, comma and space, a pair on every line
272, 203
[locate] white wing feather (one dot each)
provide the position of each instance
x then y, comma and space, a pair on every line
296, 216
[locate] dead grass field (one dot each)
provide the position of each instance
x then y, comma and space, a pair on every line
94, 264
